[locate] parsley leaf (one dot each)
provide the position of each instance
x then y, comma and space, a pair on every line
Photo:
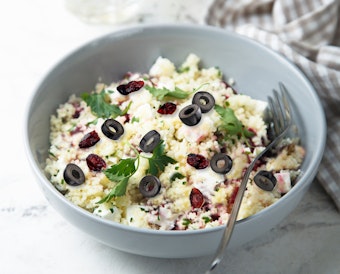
206, 219
101, 105
125, 168
134, 119
183, 69
230, 124
160, 93
159, 160
118, 190
121, 174
186, 222
175, 176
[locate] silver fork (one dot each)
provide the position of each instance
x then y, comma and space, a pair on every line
279, 115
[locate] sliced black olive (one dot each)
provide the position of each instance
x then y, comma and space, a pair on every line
191, 115
204, 100
149, 186
73, 175
112, 129
265, 180
150, 141
221, 163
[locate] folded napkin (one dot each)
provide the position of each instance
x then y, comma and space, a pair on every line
307, 32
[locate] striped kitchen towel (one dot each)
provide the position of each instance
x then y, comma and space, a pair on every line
307, 32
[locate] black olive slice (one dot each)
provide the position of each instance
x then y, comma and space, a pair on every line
221, 163
149, 186
204, 100
150, 141
191, 115
265, 180
73, 175
112, 129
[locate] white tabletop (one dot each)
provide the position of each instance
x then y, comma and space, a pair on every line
34, 238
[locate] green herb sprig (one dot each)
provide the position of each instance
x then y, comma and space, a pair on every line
175, 176
159, 160
160, 93
230, 125
122, 172
101, 105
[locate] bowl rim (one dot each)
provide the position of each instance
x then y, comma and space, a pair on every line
135, 29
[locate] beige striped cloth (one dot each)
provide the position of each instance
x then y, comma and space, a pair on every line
307, 32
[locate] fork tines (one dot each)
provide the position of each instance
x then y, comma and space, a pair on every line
279, 110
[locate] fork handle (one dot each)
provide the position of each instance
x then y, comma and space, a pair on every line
237, 204
233, 215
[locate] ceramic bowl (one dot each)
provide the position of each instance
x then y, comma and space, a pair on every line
256, 71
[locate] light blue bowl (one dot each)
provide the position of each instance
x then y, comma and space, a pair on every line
256, 71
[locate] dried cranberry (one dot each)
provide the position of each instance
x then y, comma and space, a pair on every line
197, 161
196, 198
76, 130
167, 108
77, 110
95, 162
127, 118
215, 216
132, 86
89, 140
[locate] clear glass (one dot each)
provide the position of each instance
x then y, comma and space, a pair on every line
104, 11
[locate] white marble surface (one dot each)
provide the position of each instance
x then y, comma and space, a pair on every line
34, 238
